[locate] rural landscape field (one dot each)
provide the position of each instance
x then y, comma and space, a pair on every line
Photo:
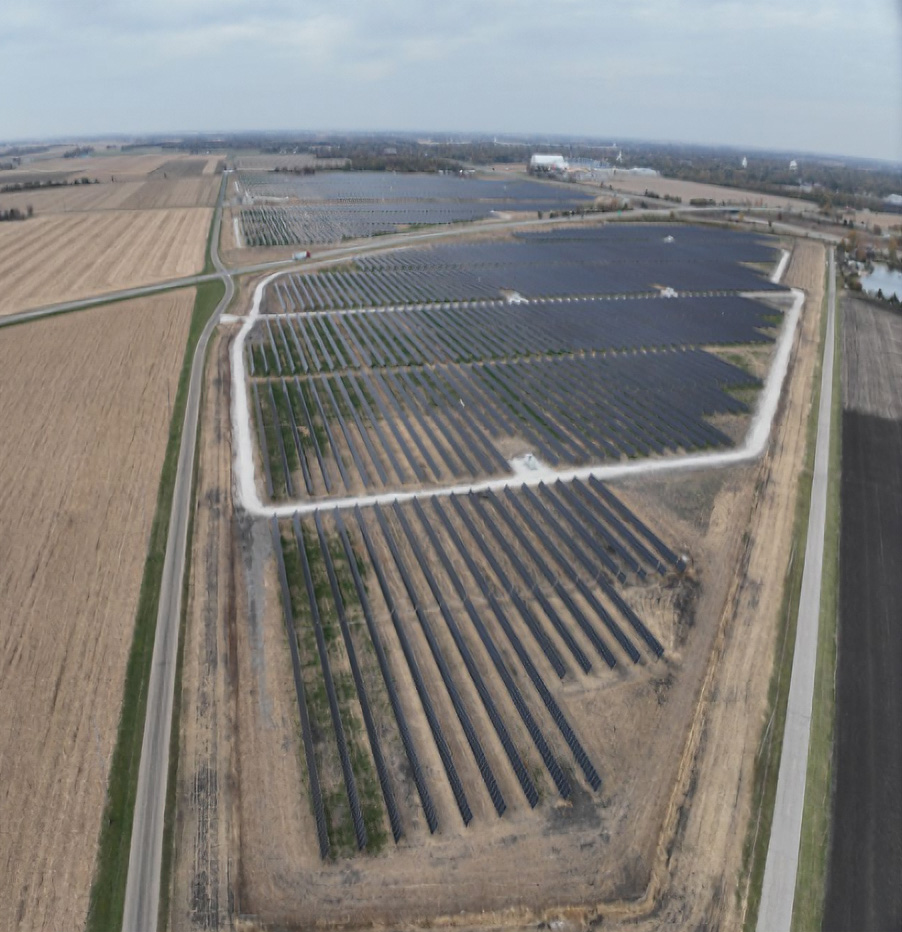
90, 418
407, 533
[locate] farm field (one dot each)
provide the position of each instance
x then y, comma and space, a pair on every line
423, 394
55, 258
152, 194
122, 167
85, 420
687, 190
865, 861
637, 185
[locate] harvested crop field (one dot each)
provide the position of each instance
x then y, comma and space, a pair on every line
51, 259
865, 859
153, 194
687, 190
84, 418
96, 166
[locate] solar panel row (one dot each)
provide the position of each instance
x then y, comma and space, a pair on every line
429, 560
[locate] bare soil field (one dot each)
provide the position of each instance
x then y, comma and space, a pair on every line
153, 194
96, 166
50, 259
200, 892
84, 418
639, 184
865, 859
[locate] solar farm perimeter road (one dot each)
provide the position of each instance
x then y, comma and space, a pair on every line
142, 890
778, 890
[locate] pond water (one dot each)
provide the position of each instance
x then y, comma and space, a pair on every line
885, 279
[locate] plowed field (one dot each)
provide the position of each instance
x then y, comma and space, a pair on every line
50, 259
84, 417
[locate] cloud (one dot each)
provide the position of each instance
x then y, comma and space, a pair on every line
762, 70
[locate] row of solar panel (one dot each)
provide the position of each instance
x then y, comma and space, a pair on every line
426, 335
444, 548
385, 429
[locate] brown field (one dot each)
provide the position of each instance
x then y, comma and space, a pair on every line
84, 418
49, 259
639, 184
200, 876
153, 194
99, 166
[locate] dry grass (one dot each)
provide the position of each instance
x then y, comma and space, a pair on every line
51, 259
85, 419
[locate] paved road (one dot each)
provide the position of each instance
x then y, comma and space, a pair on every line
781, 867
142, 892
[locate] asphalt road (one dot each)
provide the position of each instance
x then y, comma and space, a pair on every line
781, 867
142, 892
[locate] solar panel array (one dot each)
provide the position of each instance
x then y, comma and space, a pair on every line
361, 431
488, 603
608, 260
333, 206
367, 399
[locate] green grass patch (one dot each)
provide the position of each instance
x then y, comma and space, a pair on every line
107, 897
767, 758
808, 907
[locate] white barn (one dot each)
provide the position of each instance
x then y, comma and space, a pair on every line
547, 163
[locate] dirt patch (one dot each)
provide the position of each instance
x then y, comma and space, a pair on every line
871, 359
84, 418
698, 881
205, 780
864, 862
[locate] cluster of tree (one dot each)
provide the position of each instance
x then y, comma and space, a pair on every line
16, 151
673, 198
362, 161
826, 182
45, 183
296, 170
13, 213
78, 152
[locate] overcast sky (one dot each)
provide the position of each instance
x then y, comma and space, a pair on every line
800, 75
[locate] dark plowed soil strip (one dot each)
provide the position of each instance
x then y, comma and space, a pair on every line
864, 889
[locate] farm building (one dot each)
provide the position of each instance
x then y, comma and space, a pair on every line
542, 164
